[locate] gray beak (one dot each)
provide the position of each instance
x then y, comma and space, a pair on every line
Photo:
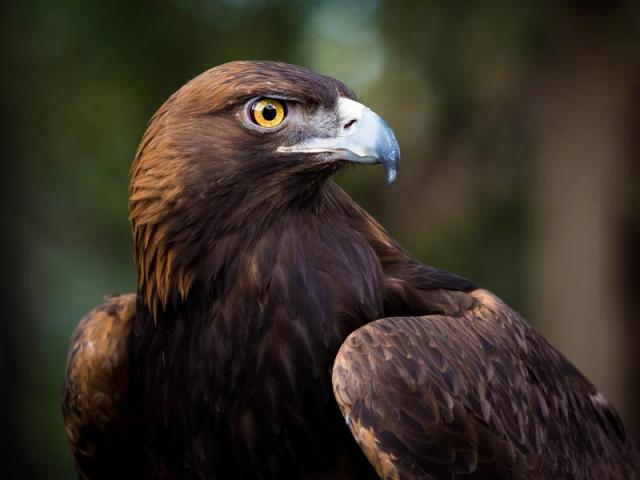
364, 137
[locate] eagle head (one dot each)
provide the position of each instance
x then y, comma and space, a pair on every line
229, 151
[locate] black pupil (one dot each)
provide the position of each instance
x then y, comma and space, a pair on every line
269, 112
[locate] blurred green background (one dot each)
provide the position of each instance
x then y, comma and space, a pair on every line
519, 125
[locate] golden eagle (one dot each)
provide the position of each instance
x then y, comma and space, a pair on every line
278, 331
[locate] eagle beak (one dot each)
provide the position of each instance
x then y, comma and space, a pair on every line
363, 137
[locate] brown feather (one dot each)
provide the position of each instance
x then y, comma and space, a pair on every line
253, 268
96, 416
478, 394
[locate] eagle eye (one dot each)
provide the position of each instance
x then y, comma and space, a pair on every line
267, 112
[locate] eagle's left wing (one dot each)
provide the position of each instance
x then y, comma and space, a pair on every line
477, 395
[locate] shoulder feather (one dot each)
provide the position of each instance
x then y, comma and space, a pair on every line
95, 390
479, 394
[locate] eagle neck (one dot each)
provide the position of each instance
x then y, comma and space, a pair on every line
211, 254
268, 228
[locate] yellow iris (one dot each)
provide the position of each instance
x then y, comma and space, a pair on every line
268, 112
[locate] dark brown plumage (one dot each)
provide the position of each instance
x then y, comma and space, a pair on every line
253, 270
478, 394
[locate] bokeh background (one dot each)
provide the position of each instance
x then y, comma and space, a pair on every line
519, 123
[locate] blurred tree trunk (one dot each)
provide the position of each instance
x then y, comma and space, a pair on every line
583, 109
15, 324
16, 340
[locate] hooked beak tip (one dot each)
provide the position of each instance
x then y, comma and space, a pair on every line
391, 173
389, 155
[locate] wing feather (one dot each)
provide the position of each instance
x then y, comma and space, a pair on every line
480, 394
95, 406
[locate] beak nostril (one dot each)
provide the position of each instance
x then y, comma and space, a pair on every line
348, 125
